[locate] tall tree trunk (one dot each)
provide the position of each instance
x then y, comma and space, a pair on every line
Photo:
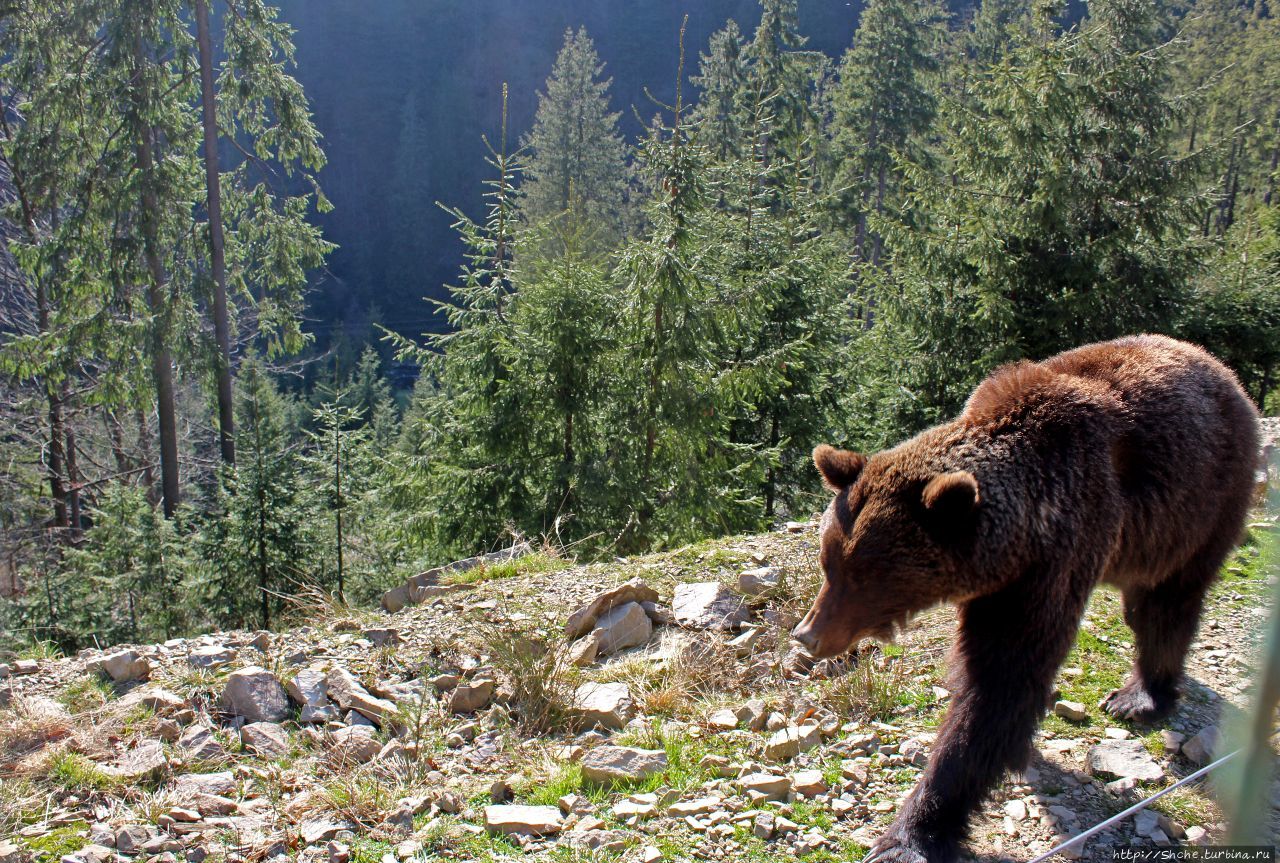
115, 434
157, 301
148, 455
217, 247
54, 460
73, 476
337, 486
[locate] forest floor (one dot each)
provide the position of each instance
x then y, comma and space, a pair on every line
457, 709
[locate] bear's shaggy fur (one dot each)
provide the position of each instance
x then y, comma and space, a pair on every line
1129, 462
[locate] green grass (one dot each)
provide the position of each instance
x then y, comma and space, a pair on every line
530, 564
74, 772
564, 779
366, 850
86, 693
40, 650
58, 842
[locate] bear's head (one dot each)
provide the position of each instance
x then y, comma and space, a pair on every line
896, 539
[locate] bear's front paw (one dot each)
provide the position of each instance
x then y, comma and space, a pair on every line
898, 846
1136, 703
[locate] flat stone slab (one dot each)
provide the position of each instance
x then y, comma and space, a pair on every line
608, 764
523, 820
1123, 759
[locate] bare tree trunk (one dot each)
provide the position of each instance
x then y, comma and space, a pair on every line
54, 460
157, 302
217, 247
148, 455
115, 434
73, 476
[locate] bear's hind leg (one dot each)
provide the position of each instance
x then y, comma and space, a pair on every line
1164, 620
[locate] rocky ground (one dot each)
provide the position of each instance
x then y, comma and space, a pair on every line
646, 709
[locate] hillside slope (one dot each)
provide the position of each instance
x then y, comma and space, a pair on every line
402, 731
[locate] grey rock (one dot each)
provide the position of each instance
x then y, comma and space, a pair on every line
1123, 759
523, 820
125, 665
356, 742
606, 704
585, 619
1072, 710
255, 694
607, 764
791, 741
761, 580
198, 742
346, 692
1201, 748
210, 657
621, 627
266, 739
708, 605
470, 697
144, 760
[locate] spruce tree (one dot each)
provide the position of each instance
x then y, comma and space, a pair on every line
576, 159
884, 103
1063, 218
720, 114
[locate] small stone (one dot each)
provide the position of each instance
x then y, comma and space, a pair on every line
1116, 733
356, 742
1145, 822
791, 741
623, 626
255, 694
744, 644
769, 786
1016, 809
584, 620
199, 743
210, 657
347, 692
382, 636
523, 820
470, 697
1197, 835
608, 764
266, 739
11, 853
605, 704
129, 840
1121, 786
808, 783
1172, 741
1123, 759
707, 605
125, 665
723, 720
319, 830
146, 759
25, 666
755, 582
650, 854
584, 651
1199, 749
764, 825
698, 806
1072, 710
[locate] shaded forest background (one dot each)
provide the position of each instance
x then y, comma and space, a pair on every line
230, 246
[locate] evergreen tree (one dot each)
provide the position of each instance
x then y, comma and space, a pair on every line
1064, 217
720, 114
884, 103
256, 539
468, 484
577, 157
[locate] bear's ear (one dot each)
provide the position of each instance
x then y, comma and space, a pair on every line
952, 495
839, 467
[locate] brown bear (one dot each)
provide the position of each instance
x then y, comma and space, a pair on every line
1129, 462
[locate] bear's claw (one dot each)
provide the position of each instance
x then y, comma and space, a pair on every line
895, 847
1136, 703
